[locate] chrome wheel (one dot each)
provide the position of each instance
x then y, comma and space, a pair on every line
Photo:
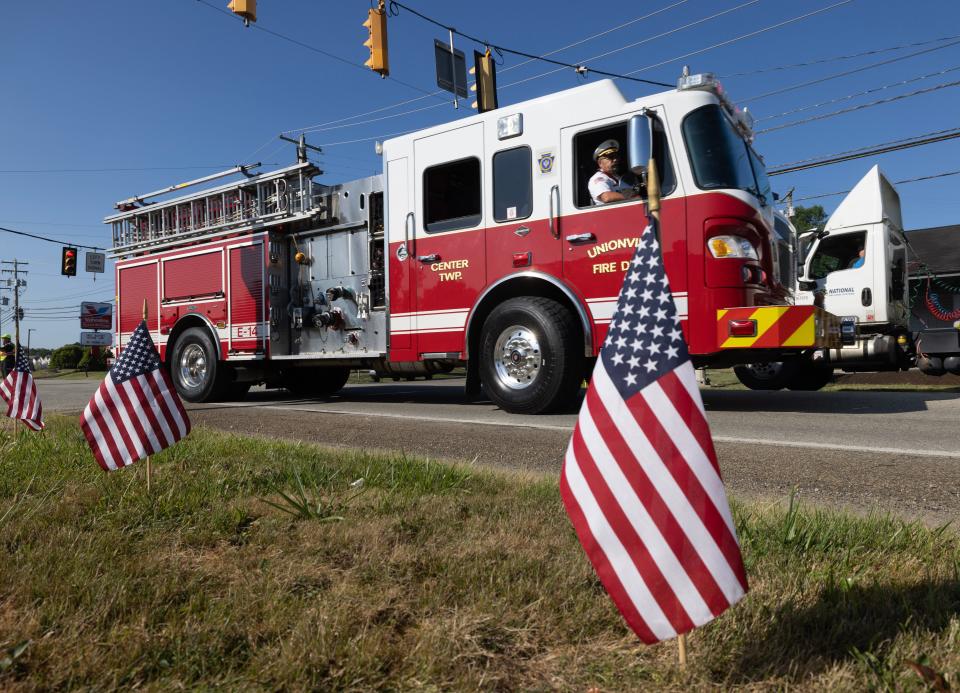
193, 366
517, 357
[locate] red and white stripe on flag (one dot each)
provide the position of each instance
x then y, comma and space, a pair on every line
19, 391
640, 478
125, 422
135, 412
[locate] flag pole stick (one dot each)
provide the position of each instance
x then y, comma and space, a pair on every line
653, 209
149, 466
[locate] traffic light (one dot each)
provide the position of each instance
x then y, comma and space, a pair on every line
244, 8
68, 262
376, 24
485, 72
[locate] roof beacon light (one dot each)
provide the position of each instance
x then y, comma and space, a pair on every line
509, 126
703, 80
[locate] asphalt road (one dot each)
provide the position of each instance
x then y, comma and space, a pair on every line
862, 451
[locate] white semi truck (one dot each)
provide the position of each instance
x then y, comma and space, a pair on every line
858, 268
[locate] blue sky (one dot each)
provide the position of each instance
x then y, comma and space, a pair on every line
180, 89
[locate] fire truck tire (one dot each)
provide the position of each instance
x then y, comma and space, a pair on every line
531, 357
316, 382
810, 377
768, 375
198, 375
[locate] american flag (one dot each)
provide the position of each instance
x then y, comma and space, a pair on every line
135, 412
640, 479
19, 391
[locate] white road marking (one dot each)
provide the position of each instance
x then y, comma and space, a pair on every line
837, 446
525, 423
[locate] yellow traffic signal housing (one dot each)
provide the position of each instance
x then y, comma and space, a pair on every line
68, 262
485, 72
376, 24
245, 8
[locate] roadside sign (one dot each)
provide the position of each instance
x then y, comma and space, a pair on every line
96, 261
96, 316
450, 70
96, 339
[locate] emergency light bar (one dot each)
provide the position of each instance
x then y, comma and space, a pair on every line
707, 81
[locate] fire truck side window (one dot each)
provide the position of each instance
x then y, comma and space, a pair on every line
584, 144
451, 195
512, 184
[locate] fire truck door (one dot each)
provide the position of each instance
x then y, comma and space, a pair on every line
598, 241
400, 228
448, 257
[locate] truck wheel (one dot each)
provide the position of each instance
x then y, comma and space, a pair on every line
811, 376
531, 358
198, 375
316, 382
766, 375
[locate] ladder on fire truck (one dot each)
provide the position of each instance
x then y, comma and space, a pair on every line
255, 202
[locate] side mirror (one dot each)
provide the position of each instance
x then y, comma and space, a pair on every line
807, 286
639, 143
822, 234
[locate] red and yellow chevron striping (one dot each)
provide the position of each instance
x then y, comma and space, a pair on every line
778, 326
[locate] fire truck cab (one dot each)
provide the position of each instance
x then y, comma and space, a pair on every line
479, 245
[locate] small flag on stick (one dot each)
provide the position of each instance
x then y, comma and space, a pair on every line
19, 391
640, 479
135, 412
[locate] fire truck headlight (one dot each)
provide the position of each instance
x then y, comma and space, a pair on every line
732, 246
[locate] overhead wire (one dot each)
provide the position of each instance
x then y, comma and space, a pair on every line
847, 73
873, 146
835, 159
839, 99
821, 61
579, 68
52, 240
320, 51
742, 36
860, 107
641, 42
905, 181
321, 126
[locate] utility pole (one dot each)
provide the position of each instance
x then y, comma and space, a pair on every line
30, 331
16, 272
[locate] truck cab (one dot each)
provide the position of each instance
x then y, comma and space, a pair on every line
856, 268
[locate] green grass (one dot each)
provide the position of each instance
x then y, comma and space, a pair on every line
68, 374
423, 575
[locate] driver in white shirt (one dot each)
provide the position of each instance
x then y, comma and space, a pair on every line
606, 185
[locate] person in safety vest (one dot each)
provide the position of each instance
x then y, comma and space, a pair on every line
6, 352
607, 185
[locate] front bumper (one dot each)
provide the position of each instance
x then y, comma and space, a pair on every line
778, 327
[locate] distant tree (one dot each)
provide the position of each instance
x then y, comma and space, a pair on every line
93, 362
806, 218
66, 356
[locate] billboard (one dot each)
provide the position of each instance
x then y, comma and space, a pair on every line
96, 316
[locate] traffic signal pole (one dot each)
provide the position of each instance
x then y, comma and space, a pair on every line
16, 272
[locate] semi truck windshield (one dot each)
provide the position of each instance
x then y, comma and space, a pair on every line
719, 156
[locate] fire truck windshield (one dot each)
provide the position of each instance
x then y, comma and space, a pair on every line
720, 157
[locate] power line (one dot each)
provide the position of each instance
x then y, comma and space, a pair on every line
301, 44
945, 174
321, 126
641, 42
580, 69
879, 102
835, 58
860, 93
835, 159
846, 73
52, 240
114, 170
743, 36
872, 146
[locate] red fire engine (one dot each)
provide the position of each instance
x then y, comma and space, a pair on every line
479, 245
